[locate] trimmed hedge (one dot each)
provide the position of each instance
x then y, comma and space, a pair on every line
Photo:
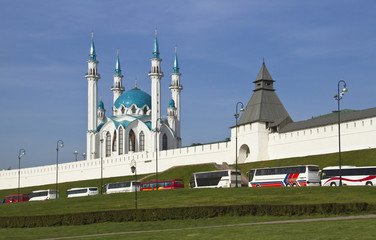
159, 214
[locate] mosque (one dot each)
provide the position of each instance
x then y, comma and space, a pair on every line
136, 132
136, 124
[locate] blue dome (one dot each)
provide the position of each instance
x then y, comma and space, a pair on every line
134, 96
171, 104
100, 105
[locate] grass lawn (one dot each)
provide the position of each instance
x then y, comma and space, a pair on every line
193, 197
340, 229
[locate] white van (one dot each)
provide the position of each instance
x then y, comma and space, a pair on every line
42, 195
81, 192
121, 187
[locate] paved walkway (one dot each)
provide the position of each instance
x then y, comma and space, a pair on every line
222, 226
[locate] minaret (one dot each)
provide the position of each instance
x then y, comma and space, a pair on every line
92, 77
101, 111
175, 88
171, 115
117, 88
156, 75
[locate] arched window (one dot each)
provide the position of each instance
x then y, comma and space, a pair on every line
114, 142
122, 109
108, 144
145, 110
132, 141
164, 142
133, 109
142, 142
121, 146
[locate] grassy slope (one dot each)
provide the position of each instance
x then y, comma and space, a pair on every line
193, 197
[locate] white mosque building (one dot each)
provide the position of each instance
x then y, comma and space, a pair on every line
136, 131
136, 124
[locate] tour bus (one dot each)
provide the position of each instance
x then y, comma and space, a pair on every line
41, 195
121, 187
294, 176
215, 179
162, 185
81, 192
351, 176
17, 198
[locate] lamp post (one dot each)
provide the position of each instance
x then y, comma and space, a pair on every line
75, 155
59, 144
236, 115
156, 130
134, 170
101, 152
84, 156
21, 153
338, 97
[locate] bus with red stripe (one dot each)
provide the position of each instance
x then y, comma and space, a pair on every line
291, 176
162, 185
351, 176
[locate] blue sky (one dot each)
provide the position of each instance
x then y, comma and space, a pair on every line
308, 47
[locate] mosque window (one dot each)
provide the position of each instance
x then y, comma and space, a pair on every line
164, 142
121, 151
122, 109
145, 110
114, 145
108, 144
133, 109
132, 143
142, 142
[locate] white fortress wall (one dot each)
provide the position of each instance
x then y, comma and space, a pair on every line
355, 135
117, 166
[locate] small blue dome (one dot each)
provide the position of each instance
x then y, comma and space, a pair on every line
171, 104
134, 96
100, 105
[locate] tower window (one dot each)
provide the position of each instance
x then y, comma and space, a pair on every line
142, 142
164, 142
108, 144
121, 147
114, 145
132, 143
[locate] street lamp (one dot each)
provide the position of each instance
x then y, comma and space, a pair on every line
156, 130
84, 156
338, 97
134, 170
101, 152
59, 144
75, 155
236, 115
21, 153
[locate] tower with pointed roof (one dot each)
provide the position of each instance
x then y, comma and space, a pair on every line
263, 114
176, 88
92, 77
155, 75
117, 88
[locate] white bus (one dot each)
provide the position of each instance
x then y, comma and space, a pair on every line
81, 192
351, 176
294, 176
215, 179
121, 187
41, 195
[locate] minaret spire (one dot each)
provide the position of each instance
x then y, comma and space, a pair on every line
92, 49
117, 88
156, 49
118, 69
176, 63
